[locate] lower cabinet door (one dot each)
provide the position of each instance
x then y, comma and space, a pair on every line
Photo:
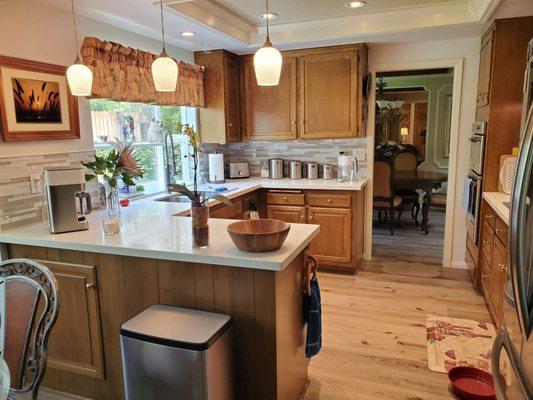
498, 278
75, 341
333, 244
291, 214
227, 212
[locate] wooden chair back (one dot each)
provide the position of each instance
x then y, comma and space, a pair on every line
405, 160
28, 292
383, 178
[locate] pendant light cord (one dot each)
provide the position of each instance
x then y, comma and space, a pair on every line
162, 29
267, 18
75, 33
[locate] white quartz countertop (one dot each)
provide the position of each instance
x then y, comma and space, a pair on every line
154, 229
496, 200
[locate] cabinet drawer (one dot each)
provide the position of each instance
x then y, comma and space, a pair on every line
502, 231
288, 198
326, 200
472, 249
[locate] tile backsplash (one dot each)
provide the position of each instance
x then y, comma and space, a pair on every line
18, 206
320, 151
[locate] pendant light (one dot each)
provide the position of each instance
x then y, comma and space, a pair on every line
79, 76
164, 68
267, 61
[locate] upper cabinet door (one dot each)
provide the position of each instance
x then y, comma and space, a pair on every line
328, 95
231, 94
271, 110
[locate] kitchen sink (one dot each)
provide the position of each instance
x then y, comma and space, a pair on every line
179, 198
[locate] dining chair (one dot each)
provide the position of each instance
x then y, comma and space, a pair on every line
407, 160
28, 293
385, 198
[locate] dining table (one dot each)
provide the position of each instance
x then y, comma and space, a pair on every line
427, 181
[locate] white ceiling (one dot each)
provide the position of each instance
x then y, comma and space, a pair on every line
234, 24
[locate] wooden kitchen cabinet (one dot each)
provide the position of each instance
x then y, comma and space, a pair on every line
291, 214
320, 96
333, 244
220, 119
75, 342
270, 111
227, 212
485, 68
328, 95
494, 261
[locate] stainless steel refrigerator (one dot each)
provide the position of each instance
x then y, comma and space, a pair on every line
516, 337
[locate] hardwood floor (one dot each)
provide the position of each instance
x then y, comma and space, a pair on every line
408, 242
374, 343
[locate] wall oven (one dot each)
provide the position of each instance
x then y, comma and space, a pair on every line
475, 177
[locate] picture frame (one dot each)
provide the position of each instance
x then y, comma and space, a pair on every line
35, 102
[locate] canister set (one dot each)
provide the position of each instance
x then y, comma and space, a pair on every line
310, 170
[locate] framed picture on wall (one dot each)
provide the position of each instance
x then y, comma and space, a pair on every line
35, 102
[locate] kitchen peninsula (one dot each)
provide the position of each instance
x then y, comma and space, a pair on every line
106, 280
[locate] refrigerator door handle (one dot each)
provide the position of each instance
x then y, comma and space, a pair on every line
502, 342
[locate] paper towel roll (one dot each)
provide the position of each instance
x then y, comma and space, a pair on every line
216, 168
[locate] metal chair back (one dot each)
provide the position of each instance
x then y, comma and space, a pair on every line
29, 309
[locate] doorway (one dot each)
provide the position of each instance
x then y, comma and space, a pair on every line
414, 120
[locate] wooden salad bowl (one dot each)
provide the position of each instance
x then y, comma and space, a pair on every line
258, 235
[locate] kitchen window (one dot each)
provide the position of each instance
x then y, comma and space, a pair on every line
153, 130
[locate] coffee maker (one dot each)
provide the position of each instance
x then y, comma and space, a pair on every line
65, 194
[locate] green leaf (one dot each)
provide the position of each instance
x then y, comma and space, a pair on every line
222, 199
126, 178
89, 177
183, 190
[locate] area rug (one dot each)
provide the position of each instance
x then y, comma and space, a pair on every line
412, 269
453, 342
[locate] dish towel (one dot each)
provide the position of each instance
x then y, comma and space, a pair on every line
313, 317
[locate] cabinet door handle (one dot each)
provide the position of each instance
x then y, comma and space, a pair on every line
484, 242
284, 199
90, 286
484, 276
293, 122
310, 217
302, 217
499, 230
488, 216
503, 268
329, 200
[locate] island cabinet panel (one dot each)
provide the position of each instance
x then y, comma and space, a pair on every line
328, 95
270, 111
266, 308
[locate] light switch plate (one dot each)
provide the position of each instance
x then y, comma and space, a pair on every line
36, 183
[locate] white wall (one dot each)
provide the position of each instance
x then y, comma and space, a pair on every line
468, 50
34, 31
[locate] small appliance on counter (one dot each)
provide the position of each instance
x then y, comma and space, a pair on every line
239, 170
312, 170
347, 167
216, 168
276, 168
265, 171
295, 170
65, 192
327, 172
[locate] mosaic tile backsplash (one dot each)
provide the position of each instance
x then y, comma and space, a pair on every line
18, 206
320, 151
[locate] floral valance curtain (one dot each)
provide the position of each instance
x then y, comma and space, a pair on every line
124, 74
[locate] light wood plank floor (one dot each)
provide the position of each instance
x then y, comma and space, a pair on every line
374, 343
408, 242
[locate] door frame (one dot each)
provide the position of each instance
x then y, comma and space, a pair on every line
452, 193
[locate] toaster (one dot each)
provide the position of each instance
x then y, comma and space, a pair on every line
239, 170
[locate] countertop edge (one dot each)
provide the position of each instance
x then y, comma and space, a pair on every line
495, 200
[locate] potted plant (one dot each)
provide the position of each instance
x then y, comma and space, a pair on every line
199, 203
120, 163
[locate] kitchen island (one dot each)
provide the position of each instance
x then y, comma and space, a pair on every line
106, 280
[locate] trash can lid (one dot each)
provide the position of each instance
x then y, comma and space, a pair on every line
177, 327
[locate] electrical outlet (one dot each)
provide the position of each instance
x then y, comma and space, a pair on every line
36, 183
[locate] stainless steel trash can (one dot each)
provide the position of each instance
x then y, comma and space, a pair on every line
177, 353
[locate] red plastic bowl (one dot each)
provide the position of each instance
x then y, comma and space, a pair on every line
469, 383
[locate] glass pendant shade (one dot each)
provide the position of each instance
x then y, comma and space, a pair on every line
80, 79
267, 65
165, 74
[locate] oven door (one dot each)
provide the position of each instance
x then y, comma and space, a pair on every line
477, 148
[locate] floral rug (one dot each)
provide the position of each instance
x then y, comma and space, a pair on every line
453, 342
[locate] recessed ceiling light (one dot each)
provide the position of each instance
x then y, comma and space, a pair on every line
269, 16
188, 34
356, 4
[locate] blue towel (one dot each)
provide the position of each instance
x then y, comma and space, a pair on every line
313, 317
